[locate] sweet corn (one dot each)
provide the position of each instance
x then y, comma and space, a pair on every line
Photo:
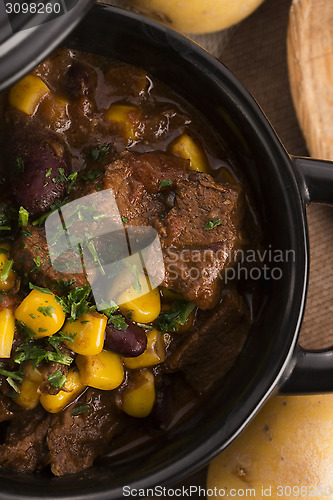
7, 330
57, 402
140, 308
126, 117
88, 332
138, 399
26, 94
41, 313
185, 147
8, 282
103, 371
153, 355
33, 374
29, 395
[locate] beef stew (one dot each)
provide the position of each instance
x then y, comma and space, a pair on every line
77, 376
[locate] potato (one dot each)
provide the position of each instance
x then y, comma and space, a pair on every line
197, 16
289, 445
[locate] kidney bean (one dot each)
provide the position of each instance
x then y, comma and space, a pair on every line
130, 342
38, 183
80, 80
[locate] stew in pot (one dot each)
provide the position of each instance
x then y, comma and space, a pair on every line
121, 215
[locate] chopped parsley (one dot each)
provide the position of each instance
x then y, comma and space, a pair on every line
57, 379
91, 175
6, 269
40, 289
24, 330
80, 409
214, 222
166, 183
76, 303
19, 162
23, 217
46, 310
134, 270
3, 251
34, 352
99, 152
48, 173
13, 378
117, 320
180, 310
124, 219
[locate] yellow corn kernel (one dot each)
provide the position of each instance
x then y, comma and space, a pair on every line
57, 402
29, 395
186, 147
103, 371
7, 330
153, 355
26, 94
170, 295
34, 374
88, 332
138, 398
140, 308
41, 312
127, 118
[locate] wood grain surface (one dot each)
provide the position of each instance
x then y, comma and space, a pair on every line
310, 62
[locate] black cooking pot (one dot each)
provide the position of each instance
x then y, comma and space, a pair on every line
281, 186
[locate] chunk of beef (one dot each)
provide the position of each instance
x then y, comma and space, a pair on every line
209, 350
25, 447
31, 257
195, 255
75, 441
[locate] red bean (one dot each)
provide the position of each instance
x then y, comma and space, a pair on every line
130, 342
39, 182
80, 80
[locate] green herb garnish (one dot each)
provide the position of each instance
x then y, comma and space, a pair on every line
166, 183
99, 152
76, 303
6, 270
80, 409
46, 310
124, 219
40, 289
19, 162
23, 217
91, 175
212, 223
180, 310
57, 379
13, 378
36, 354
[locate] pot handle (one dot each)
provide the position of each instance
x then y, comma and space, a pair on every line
311, 371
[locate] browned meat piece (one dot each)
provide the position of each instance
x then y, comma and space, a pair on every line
210, 349
25, 447
75, 441
194, 257
31, 257
8, 409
